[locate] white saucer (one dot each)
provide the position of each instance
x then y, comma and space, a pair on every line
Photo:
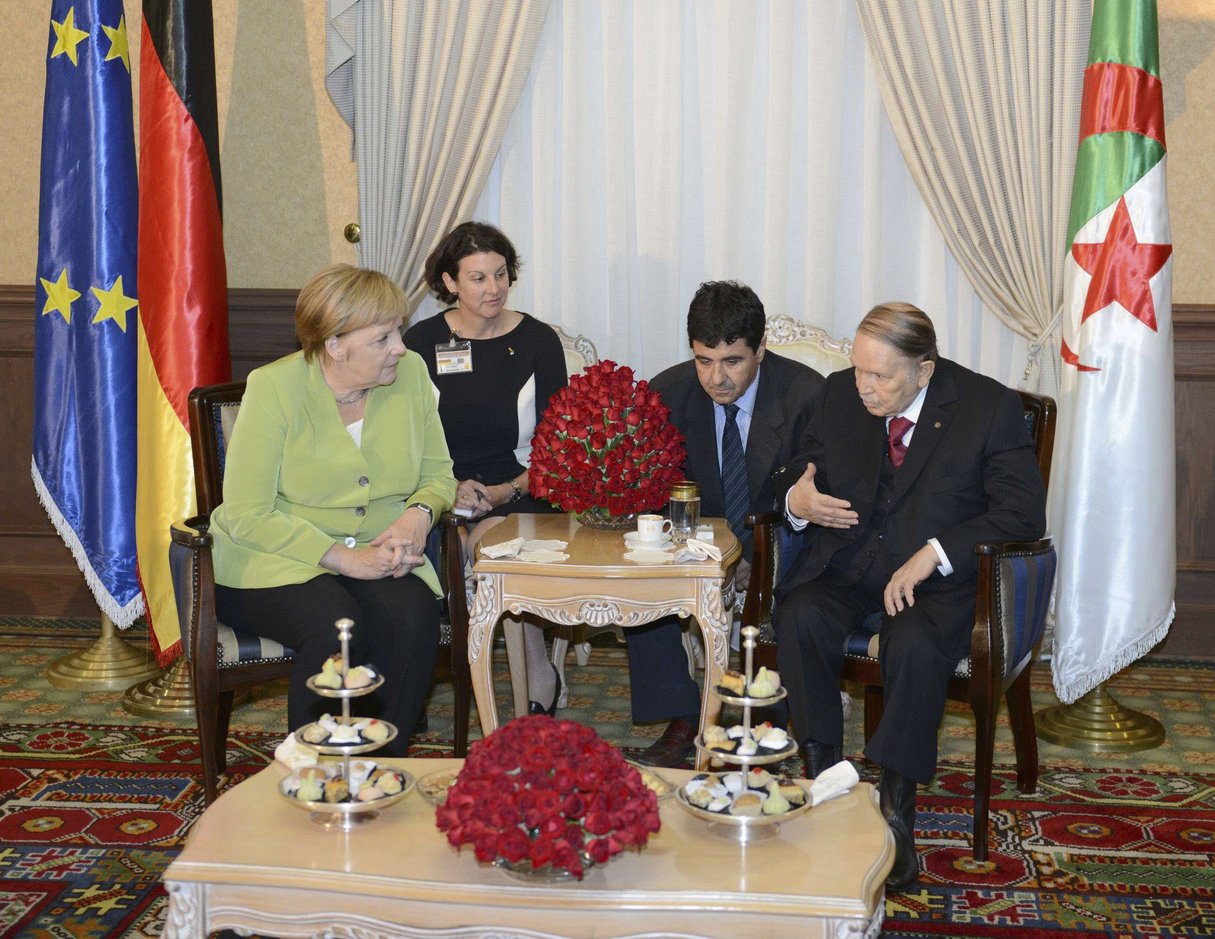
633, 540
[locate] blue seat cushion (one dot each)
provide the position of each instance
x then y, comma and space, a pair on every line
242, 648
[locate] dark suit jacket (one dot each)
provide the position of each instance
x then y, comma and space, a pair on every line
969, 475
784, 403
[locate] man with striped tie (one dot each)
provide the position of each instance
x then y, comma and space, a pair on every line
742, 411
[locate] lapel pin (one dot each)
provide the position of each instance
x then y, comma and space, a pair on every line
510, 350
937, 425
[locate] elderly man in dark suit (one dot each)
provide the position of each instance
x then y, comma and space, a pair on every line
909, 462
742, 411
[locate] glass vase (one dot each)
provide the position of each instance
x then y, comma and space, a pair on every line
599, 518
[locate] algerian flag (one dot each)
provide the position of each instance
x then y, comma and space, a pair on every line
1112, 490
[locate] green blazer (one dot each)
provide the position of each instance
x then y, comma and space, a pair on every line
295, 483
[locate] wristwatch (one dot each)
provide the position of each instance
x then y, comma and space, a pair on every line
424, 507
515, 492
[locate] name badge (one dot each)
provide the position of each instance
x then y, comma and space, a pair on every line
452, 358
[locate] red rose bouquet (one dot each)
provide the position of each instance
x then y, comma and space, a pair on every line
605, 443
547, 792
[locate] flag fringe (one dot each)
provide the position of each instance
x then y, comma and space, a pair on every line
1070, 691
123, 616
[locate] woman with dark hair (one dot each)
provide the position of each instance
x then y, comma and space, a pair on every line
336, 470
494, 370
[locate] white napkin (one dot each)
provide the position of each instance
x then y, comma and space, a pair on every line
649, 555
539, 556
833, 782
294, 755
504, 549
696, 550
544, 544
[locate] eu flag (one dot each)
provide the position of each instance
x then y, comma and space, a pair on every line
86, 316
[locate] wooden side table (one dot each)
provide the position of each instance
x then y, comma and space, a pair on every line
596, 586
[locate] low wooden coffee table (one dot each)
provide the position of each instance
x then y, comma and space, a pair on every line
257, 864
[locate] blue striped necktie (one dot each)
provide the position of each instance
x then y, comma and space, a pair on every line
734, 474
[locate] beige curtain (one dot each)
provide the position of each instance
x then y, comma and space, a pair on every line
984, 98
427, 87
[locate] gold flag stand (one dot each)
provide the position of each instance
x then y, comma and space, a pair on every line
1099, 724
170, 695
109, 664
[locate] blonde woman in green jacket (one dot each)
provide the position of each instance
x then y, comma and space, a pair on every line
336, 471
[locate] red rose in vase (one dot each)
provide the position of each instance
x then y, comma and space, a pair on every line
605, 442
578, 806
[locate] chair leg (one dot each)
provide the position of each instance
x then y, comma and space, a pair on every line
875, 703
985, 738
1025, 737
207, 756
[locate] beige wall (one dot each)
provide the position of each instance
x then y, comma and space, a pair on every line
289, 185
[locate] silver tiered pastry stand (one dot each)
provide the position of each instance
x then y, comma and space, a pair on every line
346, 816
744, 829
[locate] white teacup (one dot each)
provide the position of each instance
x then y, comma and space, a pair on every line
652, 527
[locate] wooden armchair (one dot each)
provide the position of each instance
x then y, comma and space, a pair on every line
1014, 588
223, 660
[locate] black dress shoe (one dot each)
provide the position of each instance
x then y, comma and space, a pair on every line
535, 707
673, 748
896, 798
817, 757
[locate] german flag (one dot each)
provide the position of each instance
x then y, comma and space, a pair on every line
183, 305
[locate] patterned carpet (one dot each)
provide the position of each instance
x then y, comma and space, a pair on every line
95, 802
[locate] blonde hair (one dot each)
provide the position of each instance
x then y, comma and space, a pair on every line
341, 299
905, 327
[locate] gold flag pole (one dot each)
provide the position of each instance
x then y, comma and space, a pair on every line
1098, 723
109, 664
170, 695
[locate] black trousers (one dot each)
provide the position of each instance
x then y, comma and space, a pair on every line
919, 649
659, 683
396, 629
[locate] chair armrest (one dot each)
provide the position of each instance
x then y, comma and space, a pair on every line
757, 606
999, 549
451, 575
193, 533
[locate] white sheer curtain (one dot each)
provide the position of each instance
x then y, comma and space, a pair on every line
427, 86
660, 143
985, 100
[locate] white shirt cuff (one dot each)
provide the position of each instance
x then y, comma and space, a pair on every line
944, 568
795, 522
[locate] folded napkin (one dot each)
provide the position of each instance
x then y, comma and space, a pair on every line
649, 555
833, 782
541, 555
537, 549
696, 550
504, 549
293, 754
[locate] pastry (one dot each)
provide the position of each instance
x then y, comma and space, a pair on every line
758, 778
737, 732
748, 804
775, 804
732, 682
344, 733
733, 782
327, 680
719, 804
310, 790
774, 739
714, 734
387, 781
369, 792
337, 790
793, 793
765, 683
374, 731
314, 733
747, 747
725, 746
360, 677
699, 797
360, 772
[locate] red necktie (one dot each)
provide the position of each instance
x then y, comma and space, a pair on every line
895, 448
